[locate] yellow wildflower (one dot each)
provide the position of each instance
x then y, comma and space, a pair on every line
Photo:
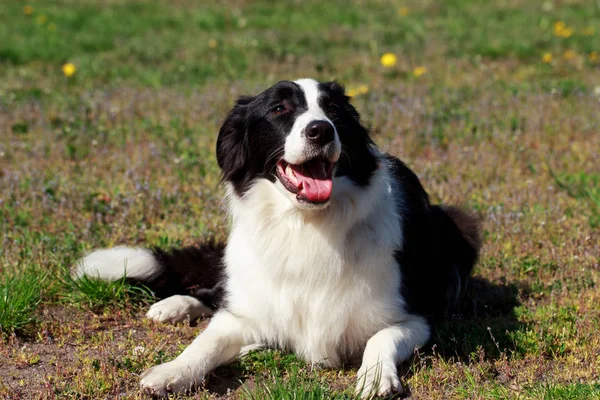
593, 56
69, 69
41, 19
559, 26
27, 10
547, 58
52, 27
569, 55
403, 11
417, 72
360, 89
561, 29
567, 32
363, 89
589, 31
212, 43
388, 60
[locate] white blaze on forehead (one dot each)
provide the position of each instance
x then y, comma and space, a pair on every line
296, 144
310, 87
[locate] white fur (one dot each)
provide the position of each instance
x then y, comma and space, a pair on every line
178, 308
115, 263
323, 284
225, 338
378, 375
296, 143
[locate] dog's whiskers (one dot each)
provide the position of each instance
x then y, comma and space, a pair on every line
276, 153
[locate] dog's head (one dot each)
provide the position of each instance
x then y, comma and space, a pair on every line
301, 136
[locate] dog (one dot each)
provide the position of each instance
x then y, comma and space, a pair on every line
335, 252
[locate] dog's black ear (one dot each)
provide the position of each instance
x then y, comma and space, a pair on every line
231, 150
338, 94
336, 88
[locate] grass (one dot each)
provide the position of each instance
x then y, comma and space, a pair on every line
288, 378
97, 295
573, 391
494, 104
20, 294
583, 186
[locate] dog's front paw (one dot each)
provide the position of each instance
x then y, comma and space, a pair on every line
170, 377
177, 308
377, 380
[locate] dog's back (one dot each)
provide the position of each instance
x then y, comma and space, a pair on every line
440, 247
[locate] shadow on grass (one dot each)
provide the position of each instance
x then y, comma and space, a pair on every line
483, 319
224, 380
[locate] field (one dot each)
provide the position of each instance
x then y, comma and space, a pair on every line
108, 119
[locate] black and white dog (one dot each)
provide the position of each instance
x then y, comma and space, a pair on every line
335, 252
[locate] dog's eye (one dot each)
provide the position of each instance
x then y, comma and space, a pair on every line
332, 109
278, 109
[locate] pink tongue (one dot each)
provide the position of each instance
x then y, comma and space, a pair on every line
313, 182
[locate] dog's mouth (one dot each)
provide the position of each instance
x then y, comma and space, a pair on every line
310, 181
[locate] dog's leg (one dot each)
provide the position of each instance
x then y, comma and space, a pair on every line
219, 343
378, 375
178, 308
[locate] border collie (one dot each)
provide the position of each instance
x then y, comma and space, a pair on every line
335, 252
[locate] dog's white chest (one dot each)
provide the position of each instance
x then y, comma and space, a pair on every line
319, 286
302, 292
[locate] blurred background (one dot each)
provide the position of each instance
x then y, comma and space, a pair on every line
109, 112
193, 44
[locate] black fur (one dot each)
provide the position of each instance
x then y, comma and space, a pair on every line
194, 271
251, 139
439, 249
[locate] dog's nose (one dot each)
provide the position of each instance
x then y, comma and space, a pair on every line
320, 132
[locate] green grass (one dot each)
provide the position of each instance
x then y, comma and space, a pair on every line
547, 391
505, 121
98, 295
565, 392
288, 378
584, 186
20, 294
157, 44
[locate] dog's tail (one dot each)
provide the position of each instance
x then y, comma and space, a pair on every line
193, 271
460, 234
